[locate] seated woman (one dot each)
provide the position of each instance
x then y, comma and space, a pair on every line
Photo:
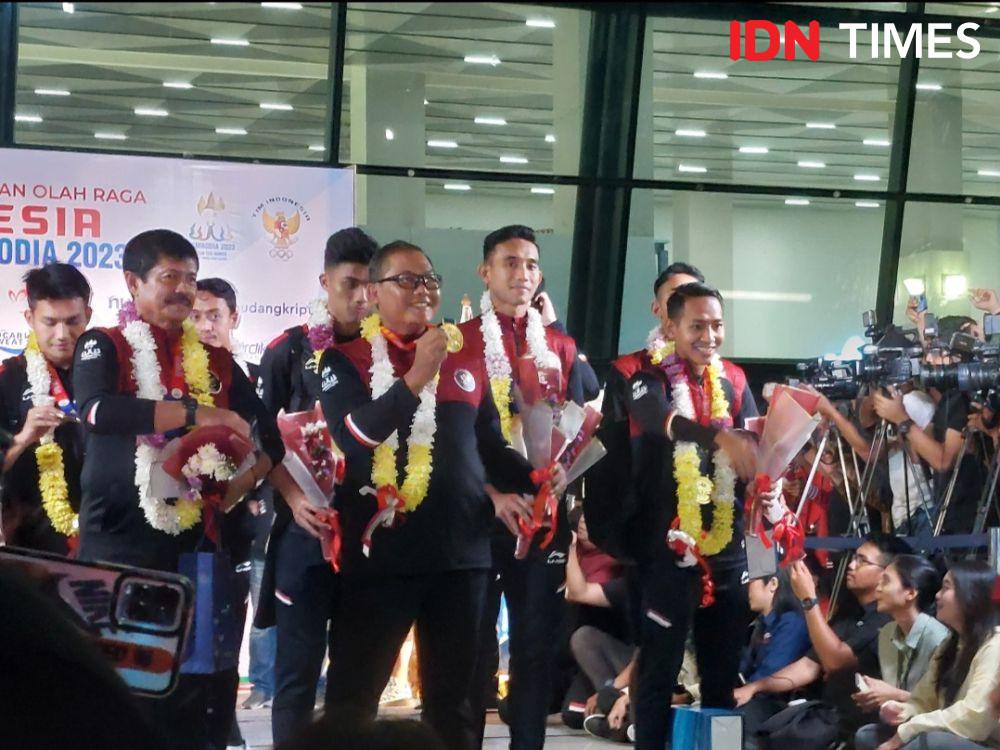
905, 592
780, 635
950, 706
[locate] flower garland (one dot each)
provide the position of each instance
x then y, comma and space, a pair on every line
657, 346
694, 489
498, 365
49, 454
319, 330
185, 513
420, 444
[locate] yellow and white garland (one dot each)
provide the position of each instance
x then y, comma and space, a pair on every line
657, 346
498, 365
420, 445
49, 454
694, 489
184, 514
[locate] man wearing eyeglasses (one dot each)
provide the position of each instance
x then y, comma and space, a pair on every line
845, 646
426, 564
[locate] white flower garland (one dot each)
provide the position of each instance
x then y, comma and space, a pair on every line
657, 346
319, 313
146, 370
424, 424
724, 477
40, 381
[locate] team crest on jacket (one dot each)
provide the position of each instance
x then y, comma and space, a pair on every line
465, 381
329, 379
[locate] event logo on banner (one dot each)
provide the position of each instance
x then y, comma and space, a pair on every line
263, 228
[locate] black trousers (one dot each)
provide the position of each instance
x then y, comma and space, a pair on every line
372, 625
670, 598
304, 633
535, 608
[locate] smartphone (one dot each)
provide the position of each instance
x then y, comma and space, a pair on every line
860, 682
138, 619
921, 302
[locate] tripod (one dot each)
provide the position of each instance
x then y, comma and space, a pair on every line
988, 499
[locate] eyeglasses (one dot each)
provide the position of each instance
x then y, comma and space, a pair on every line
410, 281
861, 561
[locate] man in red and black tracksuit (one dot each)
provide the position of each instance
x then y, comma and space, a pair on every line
160, 269
299, 590
640, 391
58, 313
430, 568
511, 272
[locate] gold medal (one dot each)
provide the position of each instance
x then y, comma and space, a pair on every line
455, 339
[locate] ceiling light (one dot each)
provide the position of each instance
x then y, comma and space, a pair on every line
867, 177
389, 135
110, 136
442, 144
317, 147
928, 87
231, 42
953, 286
877, 142
276, 105
712, 74
426, 102
150, 112
482, 120
550, 138
513, 160
988, 173
27, 118
231, 131
812, 165
69, 8
821, 125
543, 190
867, 204
178, 85
540, 23
691, 168
991, 9
482, 60
686, 133
753, 149
796, 201
52, 92
282, 6
459, 186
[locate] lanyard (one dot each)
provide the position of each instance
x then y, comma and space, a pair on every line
178, 386
58, 391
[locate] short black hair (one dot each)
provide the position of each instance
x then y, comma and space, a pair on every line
144, 251
56, 281
351, 245
219, 288
509, 232
694, 290
676, 269
382, 255
889, 546
949, 325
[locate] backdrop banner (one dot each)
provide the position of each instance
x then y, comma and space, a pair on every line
263, 228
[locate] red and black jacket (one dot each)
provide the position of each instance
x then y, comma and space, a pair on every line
450, 530
112, 525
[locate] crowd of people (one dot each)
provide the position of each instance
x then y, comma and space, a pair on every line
642, 599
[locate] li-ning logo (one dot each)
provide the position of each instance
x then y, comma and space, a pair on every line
885, 40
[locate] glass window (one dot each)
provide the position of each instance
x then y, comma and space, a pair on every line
486, 86
219, 79
704, 117
955, 128
796, 273
947, 249
449, 220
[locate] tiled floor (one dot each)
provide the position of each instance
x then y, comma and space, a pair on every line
256, 726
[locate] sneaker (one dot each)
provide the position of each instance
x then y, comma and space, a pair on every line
255, 700
597, 725
630, 733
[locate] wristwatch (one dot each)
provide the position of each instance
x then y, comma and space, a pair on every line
808, 604
190, 411
904, 427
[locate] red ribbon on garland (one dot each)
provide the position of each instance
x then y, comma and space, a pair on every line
681, 548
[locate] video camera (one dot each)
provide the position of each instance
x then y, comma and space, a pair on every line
979, 370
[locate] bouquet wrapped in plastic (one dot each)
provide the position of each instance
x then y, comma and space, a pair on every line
317, 468
791, 419
555, 434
